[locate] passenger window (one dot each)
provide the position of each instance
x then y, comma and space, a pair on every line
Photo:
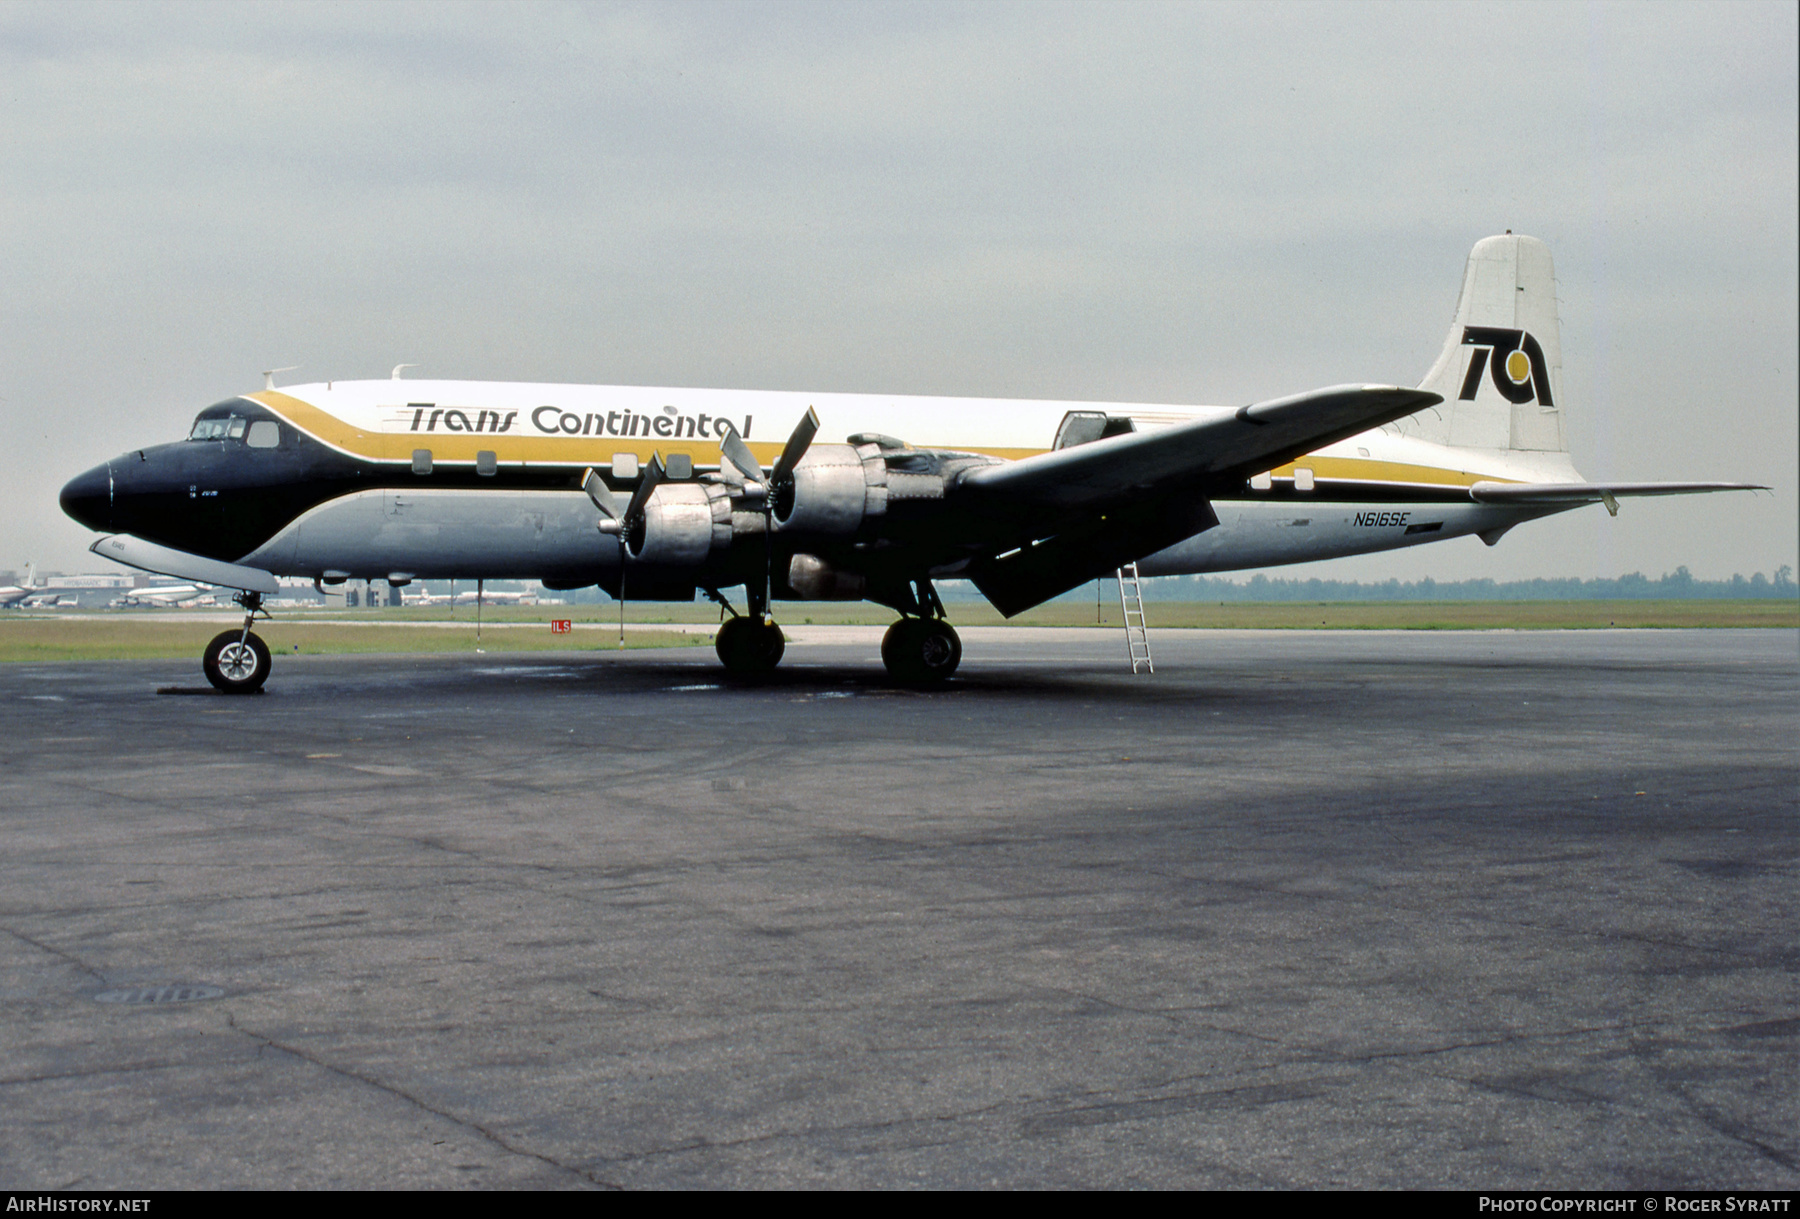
264, 434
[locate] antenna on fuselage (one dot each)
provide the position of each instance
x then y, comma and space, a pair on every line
395, 375
269, 375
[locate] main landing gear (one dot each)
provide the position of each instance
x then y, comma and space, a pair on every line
237, 662
748, 644
922, 648
921, 651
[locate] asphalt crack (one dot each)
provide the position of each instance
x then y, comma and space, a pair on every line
266, 1041
54, 951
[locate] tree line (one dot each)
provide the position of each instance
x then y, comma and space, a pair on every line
1680, 584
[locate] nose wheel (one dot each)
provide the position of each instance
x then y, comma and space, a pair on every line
921, 651
237, 662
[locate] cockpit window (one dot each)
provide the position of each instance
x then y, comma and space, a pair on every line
225, 428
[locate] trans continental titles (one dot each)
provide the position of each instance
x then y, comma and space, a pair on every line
669, 424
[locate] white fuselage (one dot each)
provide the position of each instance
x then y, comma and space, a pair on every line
1376, 491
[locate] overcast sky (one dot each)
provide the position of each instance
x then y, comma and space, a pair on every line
1184, 203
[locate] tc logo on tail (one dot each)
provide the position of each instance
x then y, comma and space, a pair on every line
1520, 373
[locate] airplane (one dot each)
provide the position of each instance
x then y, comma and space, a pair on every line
32, 595
658, 493
14, 596
165, 596
473, 597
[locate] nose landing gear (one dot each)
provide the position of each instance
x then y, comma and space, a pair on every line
237, 662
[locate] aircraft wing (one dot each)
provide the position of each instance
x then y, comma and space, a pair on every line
1067, 516
1589, 493
1220, 449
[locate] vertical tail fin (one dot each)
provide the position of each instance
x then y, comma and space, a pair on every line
1500, 372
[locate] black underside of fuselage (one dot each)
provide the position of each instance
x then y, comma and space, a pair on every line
223, 499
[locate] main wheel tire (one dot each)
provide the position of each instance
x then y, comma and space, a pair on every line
921, 651
748, 646
236, 663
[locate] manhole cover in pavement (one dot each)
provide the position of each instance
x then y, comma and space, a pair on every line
183, 992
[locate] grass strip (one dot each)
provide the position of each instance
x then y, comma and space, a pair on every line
126, 636
121, 638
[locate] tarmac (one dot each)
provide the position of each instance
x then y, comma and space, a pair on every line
1334, 909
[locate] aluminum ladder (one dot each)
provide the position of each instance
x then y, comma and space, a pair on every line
1131, 606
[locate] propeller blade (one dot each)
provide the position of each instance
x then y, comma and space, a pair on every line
738, 454
601, 494
648, 483
796, 447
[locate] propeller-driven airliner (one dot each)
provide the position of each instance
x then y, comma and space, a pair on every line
659, 494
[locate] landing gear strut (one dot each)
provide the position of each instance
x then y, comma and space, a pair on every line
922, 649
748, 644
237, 662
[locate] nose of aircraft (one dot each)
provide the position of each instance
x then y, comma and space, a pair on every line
88, 498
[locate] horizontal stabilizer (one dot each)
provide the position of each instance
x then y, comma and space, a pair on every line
1589, 493
163, 561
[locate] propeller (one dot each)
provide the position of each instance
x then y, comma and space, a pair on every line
796, 447
735, 451
613, 522
602, 495
758, 486
739, 455
653, 478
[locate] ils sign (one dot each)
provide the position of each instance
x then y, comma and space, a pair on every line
561, 626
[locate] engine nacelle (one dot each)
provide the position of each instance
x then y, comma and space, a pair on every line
835, 491
811, 578
684, 524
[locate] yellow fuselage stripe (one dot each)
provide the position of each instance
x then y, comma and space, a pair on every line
542, 450
451, 447
1369, 470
